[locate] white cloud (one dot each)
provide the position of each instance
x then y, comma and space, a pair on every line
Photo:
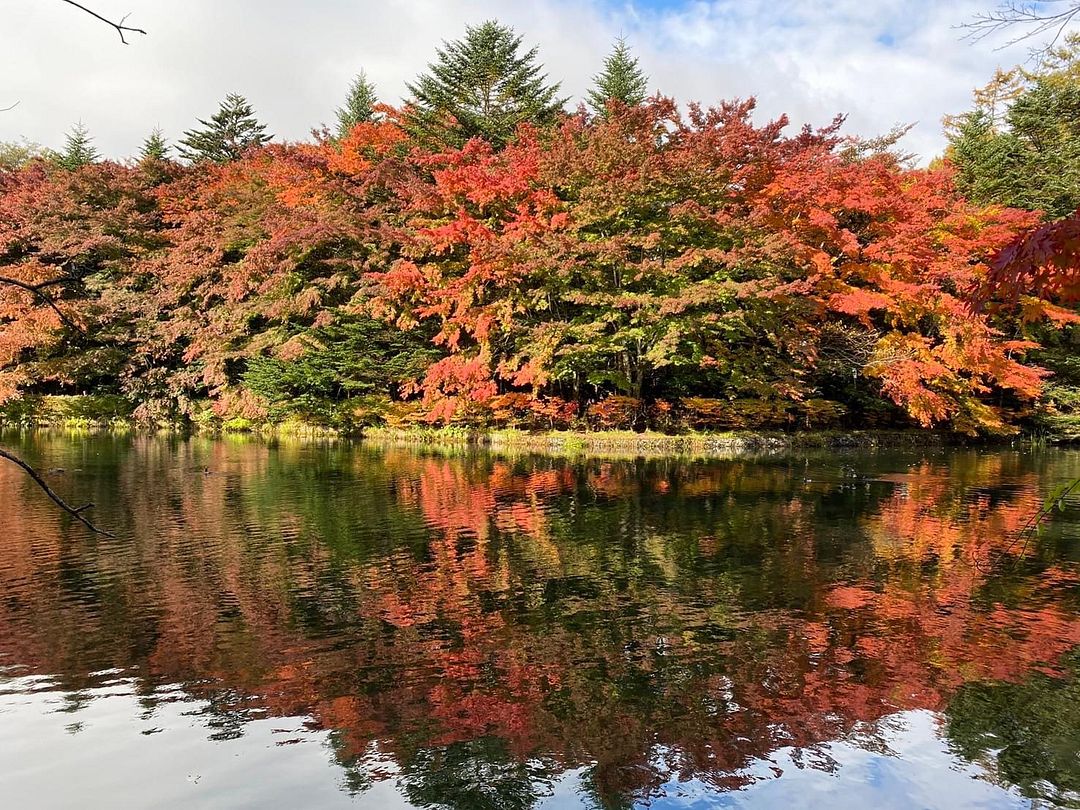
879, 61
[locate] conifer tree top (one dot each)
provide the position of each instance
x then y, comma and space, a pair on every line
621, 80
482, 85
154, 147
230, 132
79, 150
359, 105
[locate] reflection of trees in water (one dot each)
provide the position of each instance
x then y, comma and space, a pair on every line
1026, 733
643, 619
481, 773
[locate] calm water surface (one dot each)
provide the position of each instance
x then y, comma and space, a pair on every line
285, 625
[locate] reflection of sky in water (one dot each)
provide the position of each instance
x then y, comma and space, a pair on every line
917, 772
111, 753
59, 749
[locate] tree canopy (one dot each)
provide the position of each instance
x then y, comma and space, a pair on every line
154, 147
491, 260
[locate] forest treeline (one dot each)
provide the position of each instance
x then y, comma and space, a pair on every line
482, 256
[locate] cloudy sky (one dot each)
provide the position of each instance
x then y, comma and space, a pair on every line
880, 62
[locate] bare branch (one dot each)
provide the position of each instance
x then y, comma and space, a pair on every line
1031, 19
1030, 530
37, 290
75, 511
9, 107
120, 27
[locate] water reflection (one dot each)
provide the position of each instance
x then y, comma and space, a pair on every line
472, 631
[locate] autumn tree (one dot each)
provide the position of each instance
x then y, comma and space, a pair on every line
68, 241
1018, 146
36, 289
656, 257
482, 85
264, 302
359, 105
230, 132
621, 80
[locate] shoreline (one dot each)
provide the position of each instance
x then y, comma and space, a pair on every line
563, 443
650, 443
82, 415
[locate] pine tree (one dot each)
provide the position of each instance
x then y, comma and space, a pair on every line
230, 132
621, 80
359, 105
481, 86
79, 150
154, 147
1020, 145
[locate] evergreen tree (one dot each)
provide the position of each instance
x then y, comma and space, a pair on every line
1020, 145
983, 157
621, 80
359, 105
481, 86
230, 132
78, 150
154, 147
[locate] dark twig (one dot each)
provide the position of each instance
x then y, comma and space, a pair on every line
75, 511
9, 107
37, 290
120, 27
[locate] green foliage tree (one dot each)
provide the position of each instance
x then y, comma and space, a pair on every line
346, 374
17, 154
154, 147
230, 132
1020, 145
621, 80
359, 105
482, 85
78, 150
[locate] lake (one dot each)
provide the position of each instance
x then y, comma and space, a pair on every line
282, 624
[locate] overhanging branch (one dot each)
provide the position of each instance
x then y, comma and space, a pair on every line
37, 290
75, 511
119, 26
1029, 19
